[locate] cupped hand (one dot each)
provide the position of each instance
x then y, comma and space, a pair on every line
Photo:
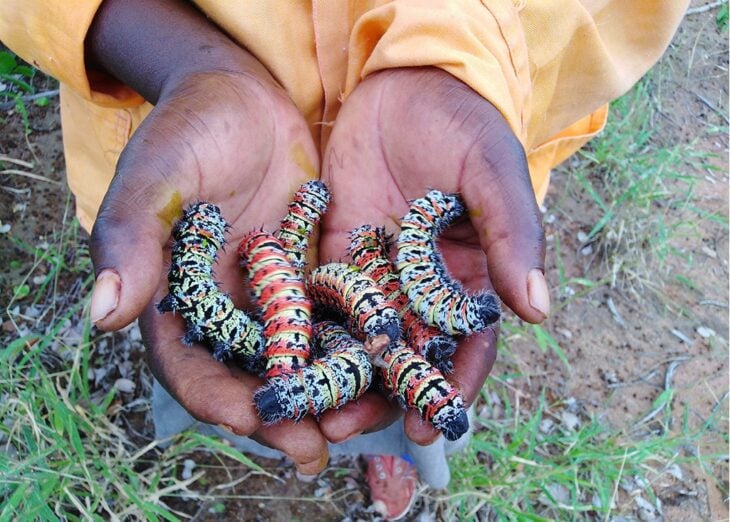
223, 132
401, 133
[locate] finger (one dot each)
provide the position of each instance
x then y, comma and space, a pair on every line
209, 390
372, 412
496, 188
303, 442
133, 223
473, 361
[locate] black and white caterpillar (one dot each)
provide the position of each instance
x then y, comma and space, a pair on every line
305, 210
439, 299
210, 314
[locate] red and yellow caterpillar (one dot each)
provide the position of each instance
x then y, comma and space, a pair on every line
369, 251
341, 374
279, 291
433, 294
417, 384
210, 315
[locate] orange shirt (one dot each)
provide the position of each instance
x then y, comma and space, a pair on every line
550, 66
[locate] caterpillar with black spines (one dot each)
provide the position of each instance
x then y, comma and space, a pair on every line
341, 373
210, 315
286, 310
417, 384
369, 251
439, 299
345, 290
305, 210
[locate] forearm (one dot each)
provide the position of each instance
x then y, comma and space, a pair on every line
150, 45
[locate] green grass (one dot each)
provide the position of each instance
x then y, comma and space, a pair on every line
643, 191
516, 468
64, 451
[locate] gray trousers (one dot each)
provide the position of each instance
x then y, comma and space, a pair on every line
171, 418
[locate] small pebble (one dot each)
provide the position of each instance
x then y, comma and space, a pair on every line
124, 385
705, 332
188, 467
709, 252
569, 420
647, 512
546, 425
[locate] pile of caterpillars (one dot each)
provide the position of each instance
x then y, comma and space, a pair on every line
322, 339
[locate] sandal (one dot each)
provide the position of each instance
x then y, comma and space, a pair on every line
392, 482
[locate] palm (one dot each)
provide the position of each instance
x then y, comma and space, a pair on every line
247, 150
384, 153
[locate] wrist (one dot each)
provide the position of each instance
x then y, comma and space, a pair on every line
154, 45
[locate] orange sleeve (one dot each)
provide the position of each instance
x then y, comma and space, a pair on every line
549, 66
50, 35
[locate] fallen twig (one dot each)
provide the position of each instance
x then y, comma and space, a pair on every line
614, 311
705, 8
719, 304
30, 175
707, 103
28, 97
679, 335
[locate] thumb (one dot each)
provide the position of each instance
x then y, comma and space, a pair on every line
497, 190
133, 224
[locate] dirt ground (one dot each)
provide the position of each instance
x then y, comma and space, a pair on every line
622, 343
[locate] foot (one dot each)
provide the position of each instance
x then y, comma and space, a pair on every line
392, 482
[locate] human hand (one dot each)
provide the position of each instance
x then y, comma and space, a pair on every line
221, 131
401, 133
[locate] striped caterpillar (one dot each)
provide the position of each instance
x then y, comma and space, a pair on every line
433, 294
369, 251
344, 289
417, 384
305, 210
279, 291
341, 374
210, 315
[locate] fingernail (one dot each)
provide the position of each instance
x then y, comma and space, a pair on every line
105, 298
227, 428
537, 292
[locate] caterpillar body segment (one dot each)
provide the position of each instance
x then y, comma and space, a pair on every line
341, 374
306, 209
369, 251
209, 314
286, 309
437, 298
417, 384
346, 290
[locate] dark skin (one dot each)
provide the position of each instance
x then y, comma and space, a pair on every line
247, 149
